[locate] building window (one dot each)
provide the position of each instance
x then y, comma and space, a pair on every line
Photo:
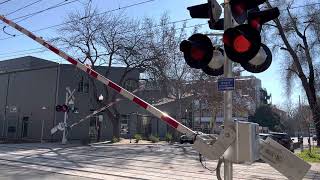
131, 84
124, 124
83, 86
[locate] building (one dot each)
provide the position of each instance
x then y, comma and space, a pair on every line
204, 111
32, 87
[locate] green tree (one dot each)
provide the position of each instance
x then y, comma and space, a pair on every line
266, 117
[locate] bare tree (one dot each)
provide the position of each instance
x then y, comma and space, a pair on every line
106, 40
168, 67
299, 37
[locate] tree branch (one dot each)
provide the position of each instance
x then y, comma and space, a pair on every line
294, 23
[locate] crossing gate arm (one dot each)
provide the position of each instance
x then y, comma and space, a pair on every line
153, 110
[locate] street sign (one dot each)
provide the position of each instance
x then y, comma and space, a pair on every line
13, 109
226, 84
71, 97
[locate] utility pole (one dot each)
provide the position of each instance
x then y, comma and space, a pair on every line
64, 138
69, 101
227, 112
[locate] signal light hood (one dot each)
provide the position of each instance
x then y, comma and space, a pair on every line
241, 43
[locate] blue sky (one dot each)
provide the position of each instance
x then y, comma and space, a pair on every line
176, 9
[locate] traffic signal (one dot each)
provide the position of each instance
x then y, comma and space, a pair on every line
211, 10
242, 44
240, 8
62, 108
58, 108
199, 53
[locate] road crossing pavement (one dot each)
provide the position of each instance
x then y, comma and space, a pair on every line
122, 161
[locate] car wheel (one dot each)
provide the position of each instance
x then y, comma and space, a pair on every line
181, 142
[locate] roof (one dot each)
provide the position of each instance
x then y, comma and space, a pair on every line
24, 63
30, 62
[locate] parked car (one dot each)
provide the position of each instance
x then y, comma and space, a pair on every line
314, 137
186, 139
282, 138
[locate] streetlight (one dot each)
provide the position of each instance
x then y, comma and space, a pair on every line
42, 124
100, 98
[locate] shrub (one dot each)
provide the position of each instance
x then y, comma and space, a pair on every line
138, 137
153, 139
168, 137
115, 139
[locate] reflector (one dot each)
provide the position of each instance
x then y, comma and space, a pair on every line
215, 67
260, 62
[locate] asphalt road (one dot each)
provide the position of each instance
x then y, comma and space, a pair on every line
54, 161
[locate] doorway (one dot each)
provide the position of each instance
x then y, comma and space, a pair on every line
25, 123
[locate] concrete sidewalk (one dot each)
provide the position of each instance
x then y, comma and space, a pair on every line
157, 161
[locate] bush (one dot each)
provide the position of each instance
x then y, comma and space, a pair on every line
314, 156
115, 139
168, 137
153, 139
138, 137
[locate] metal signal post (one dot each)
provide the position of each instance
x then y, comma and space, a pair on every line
227, 113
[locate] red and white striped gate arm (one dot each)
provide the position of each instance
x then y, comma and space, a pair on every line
163, 116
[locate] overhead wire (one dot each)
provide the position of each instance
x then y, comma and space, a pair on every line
124, 7
63, 3
5, 2
19, 9
131, 5
60, 24
41, 49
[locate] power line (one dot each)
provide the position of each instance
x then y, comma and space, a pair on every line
5, 2
172, 22
44, 10
35, 2
41, 50
124, 7
57, 25
295, 7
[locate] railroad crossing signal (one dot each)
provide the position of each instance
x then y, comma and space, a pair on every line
62, 108
242, 44
199, 53
211, 10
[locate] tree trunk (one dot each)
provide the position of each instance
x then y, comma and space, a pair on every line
316, 119
116, 127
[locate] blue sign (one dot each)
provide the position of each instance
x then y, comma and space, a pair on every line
226, 84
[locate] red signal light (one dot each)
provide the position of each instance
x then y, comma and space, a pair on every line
64, 108
197, 54
239, 9
255, 23
241, 44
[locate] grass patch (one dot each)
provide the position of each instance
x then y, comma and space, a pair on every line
314, 156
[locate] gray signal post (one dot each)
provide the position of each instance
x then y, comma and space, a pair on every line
69, 100
227, 113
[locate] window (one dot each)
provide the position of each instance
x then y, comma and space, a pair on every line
124, 123
83, 86
131, 84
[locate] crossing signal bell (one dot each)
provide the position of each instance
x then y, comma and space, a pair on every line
242, 44
199, 53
